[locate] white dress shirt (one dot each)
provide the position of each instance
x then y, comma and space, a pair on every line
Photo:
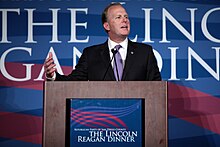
122, 50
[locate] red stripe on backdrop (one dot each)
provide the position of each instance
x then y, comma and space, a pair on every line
12, 69
194, 106
21, 127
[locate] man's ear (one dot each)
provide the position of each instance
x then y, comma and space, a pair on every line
106, 26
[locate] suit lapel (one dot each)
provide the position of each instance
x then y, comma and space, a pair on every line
106, 60
130, 59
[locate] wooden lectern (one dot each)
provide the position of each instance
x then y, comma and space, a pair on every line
154, 94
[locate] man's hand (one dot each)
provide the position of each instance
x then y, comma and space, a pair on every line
49, 66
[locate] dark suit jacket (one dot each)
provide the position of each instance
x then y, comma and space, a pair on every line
140, 64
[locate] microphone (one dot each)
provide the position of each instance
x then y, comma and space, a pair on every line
114, 51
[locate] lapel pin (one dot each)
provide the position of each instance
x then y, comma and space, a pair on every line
132, 53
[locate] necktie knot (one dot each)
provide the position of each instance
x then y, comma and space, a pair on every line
117, 47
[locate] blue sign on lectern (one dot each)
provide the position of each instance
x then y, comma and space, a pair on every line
105, 122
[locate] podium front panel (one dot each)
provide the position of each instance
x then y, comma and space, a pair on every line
153, 94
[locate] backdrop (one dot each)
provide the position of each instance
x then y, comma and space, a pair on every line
185, 36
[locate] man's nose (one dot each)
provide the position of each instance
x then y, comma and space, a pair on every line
125, 19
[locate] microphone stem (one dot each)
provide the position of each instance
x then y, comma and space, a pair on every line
108, 68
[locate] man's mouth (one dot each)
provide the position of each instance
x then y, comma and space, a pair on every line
124, 27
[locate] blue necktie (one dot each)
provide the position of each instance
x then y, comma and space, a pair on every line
118, 69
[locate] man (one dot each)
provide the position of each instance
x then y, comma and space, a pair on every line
136, 60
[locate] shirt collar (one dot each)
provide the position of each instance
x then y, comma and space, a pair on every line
112, 44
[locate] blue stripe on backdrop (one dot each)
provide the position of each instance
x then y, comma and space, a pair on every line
34, 112
20, 100
177, 129
15, 143
199, 141
183, 133
205, 2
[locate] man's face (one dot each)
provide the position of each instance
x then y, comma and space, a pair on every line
118, 24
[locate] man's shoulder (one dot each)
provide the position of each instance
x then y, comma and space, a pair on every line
140, 45
96, 47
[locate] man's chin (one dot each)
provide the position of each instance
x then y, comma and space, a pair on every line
125, 33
